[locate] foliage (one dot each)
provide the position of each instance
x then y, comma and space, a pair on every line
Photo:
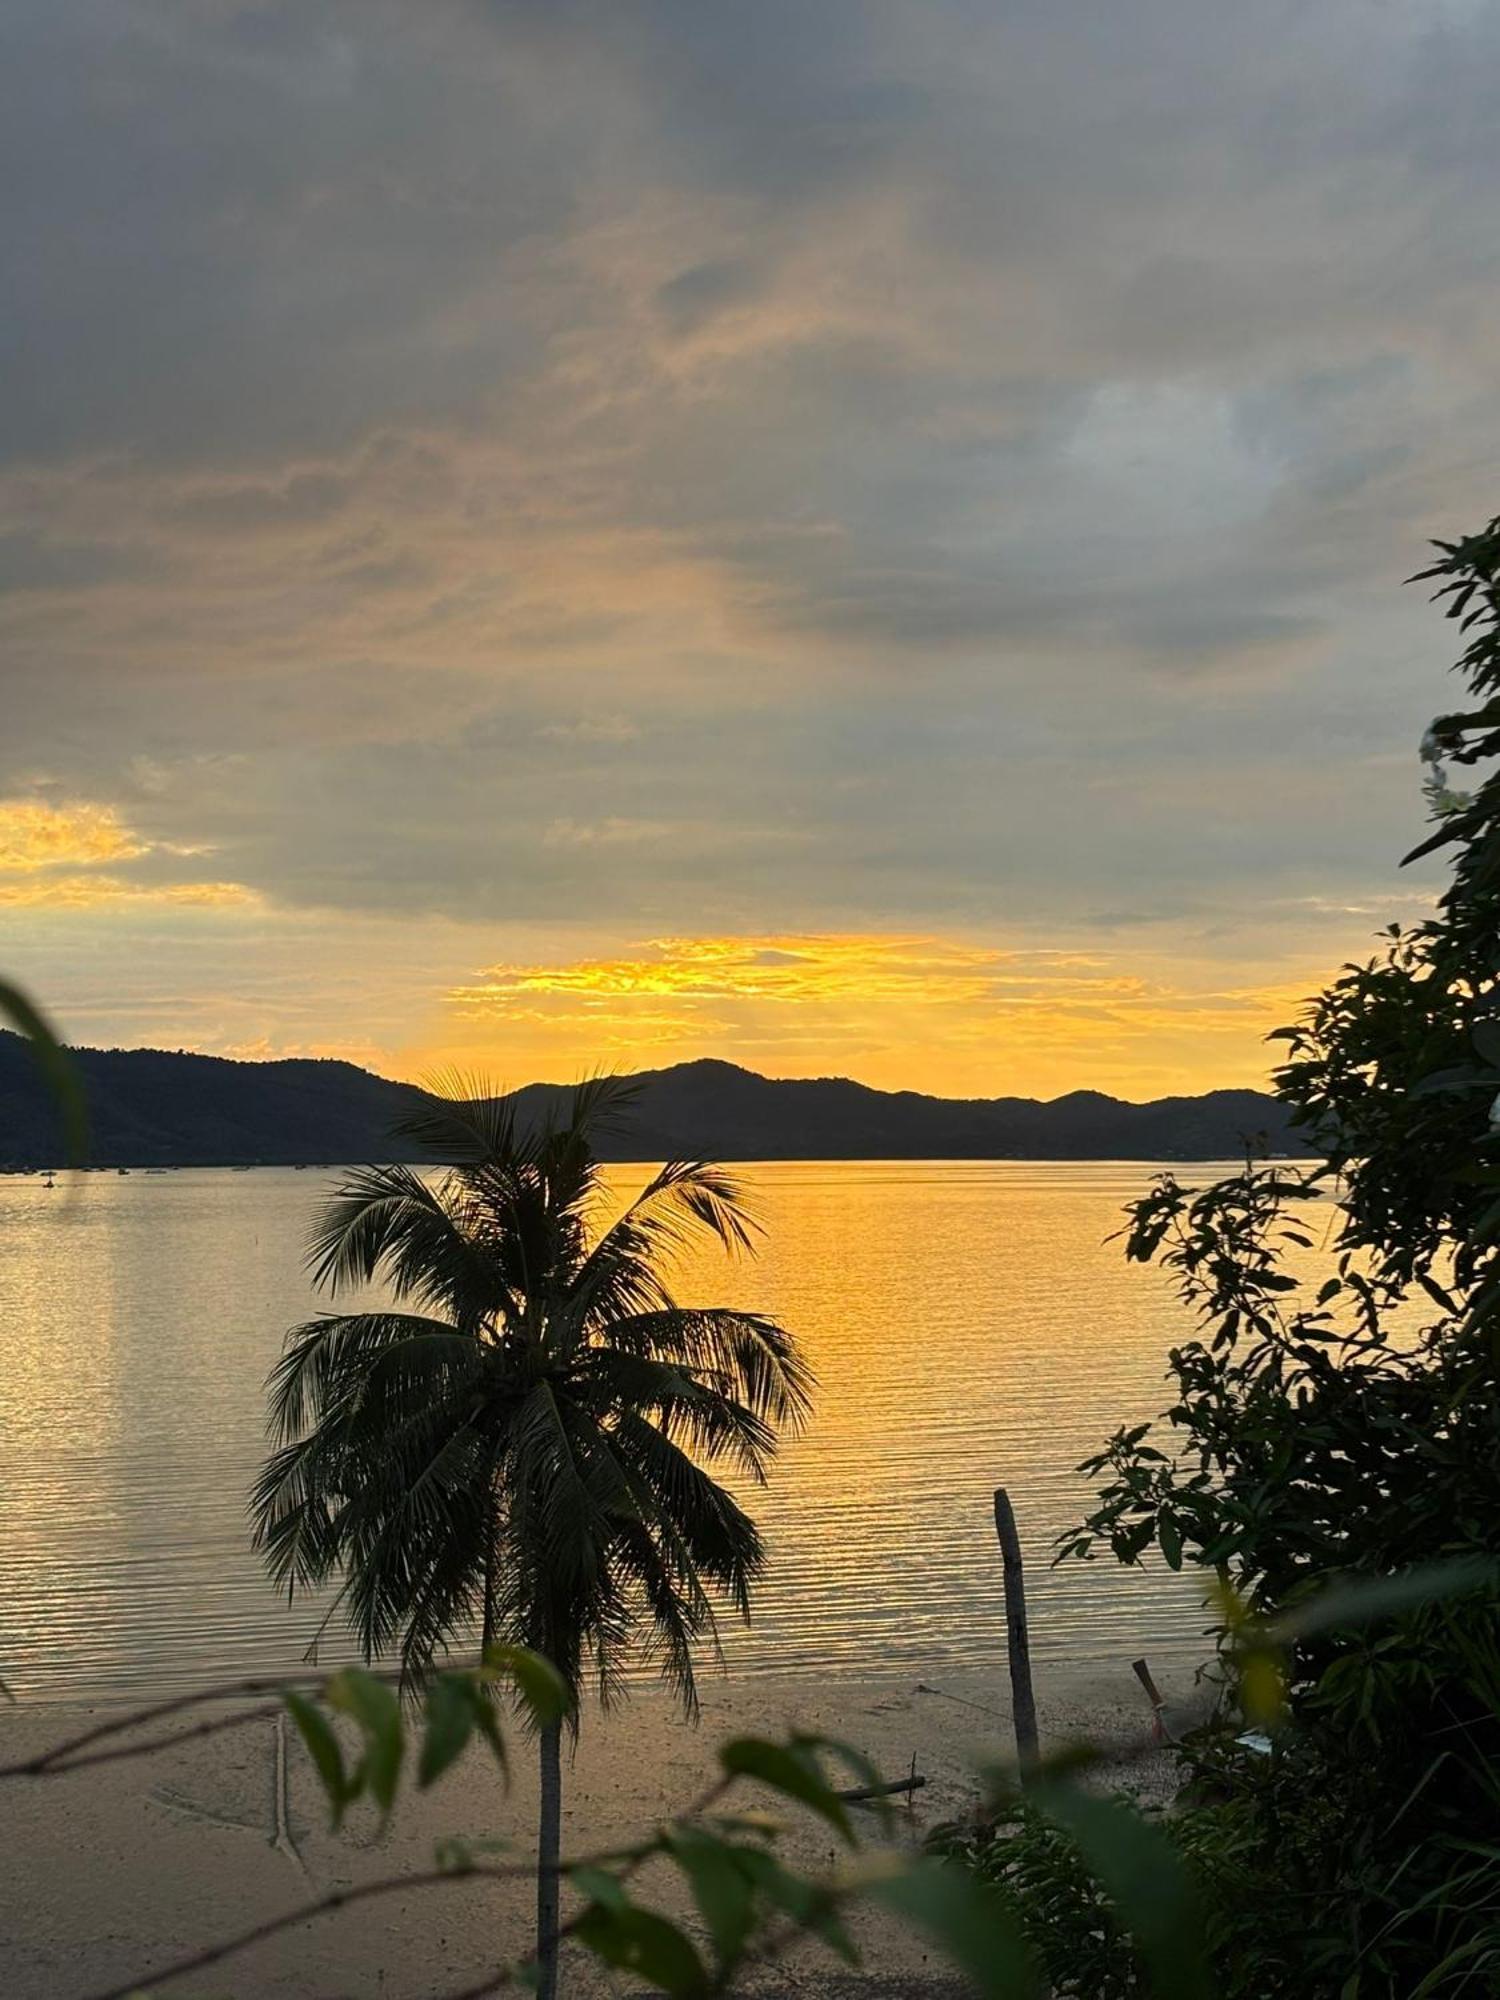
1080, 1944
55, 1063
722, 1858
748, 1904
1352, 1427
522, 1444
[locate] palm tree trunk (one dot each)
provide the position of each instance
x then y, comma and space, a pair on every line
487, 1630
548, 1847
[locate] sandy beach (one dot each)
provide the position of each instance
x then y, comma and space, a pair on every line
114, 1873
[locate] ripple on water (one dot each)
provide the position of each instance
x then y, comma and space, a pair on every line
969, 1327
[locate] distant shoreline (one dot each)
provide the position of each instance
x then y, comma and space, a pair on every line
149, 1108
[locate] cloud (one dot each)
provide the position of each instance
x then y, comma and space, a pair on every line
657, 470
782, 969
612, 832
36, 835
42, 845
110, 892
992, 1018
604, 729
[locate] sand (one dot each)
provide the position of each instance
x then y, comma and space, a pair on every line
112, 1874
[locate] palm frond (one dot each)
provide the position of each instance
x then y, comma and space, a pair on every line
600, 1103
703, 1414
388, 1222
685, 1201
715, 1536
462, 1120
553, 1494
678, 1610
745, 1355
340, 1357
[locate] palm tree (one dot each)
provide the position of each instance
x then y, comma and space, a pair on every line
520, 1444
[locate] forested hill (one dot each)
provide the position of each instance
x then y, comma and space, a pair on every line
150, 1108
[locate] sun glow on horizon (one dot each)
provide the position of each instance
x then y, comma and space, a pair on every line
898, 1011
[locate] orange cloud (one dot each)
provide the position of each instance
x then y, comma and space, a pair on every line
90, 892
43, 847
986, 1019
772, 968
35, 835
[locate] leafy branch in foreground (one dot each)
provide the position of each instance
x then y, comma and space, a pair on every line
726, 1858
1346, 1421
55, 1063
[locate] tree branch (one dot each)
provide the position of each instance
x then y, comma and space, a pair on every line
630, 1859
336, 1899
64, 1756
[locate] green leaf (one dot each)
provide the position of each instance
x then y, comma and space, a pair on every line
968, 1919
644, 1943
722, 1891
1144, 1876
790, 1770
374, 1706
1364, 1599
599, 1886
810, 1904
1439, 1974
1169, 1536
856, 1762
56, 1064
539, 1684
487, 1722
1445, 834
450, 1724
323, 1747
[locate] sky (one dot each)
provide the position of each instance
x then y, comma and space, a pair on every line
862, 537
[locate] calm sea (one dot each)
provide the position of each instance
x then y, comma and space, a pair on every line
969, 1325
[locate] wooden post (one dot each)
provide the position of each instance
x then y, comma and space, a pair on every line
1154, 1695
1023, 1702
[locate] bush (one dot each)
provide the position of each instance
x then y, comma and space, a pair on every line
1077, 1940
1313, 1436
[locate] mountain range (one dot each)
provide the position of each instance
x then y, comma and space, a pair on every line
148, 1107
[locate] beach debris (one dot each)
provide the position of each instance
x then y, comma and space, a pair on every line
1157, 1699
1023, 1701
860, 1793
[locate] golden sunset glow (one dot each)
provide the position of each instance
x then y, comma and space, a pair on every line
97, 892
35, 835
45, 850
987, 1020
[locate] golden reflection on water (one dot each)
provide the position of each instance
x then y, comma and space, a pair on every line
968, 1324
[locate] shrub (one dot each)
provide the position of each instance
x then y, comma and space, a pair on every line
1314, 1435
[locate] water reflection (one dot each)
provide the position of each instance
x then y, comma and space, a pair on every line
968, 1324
